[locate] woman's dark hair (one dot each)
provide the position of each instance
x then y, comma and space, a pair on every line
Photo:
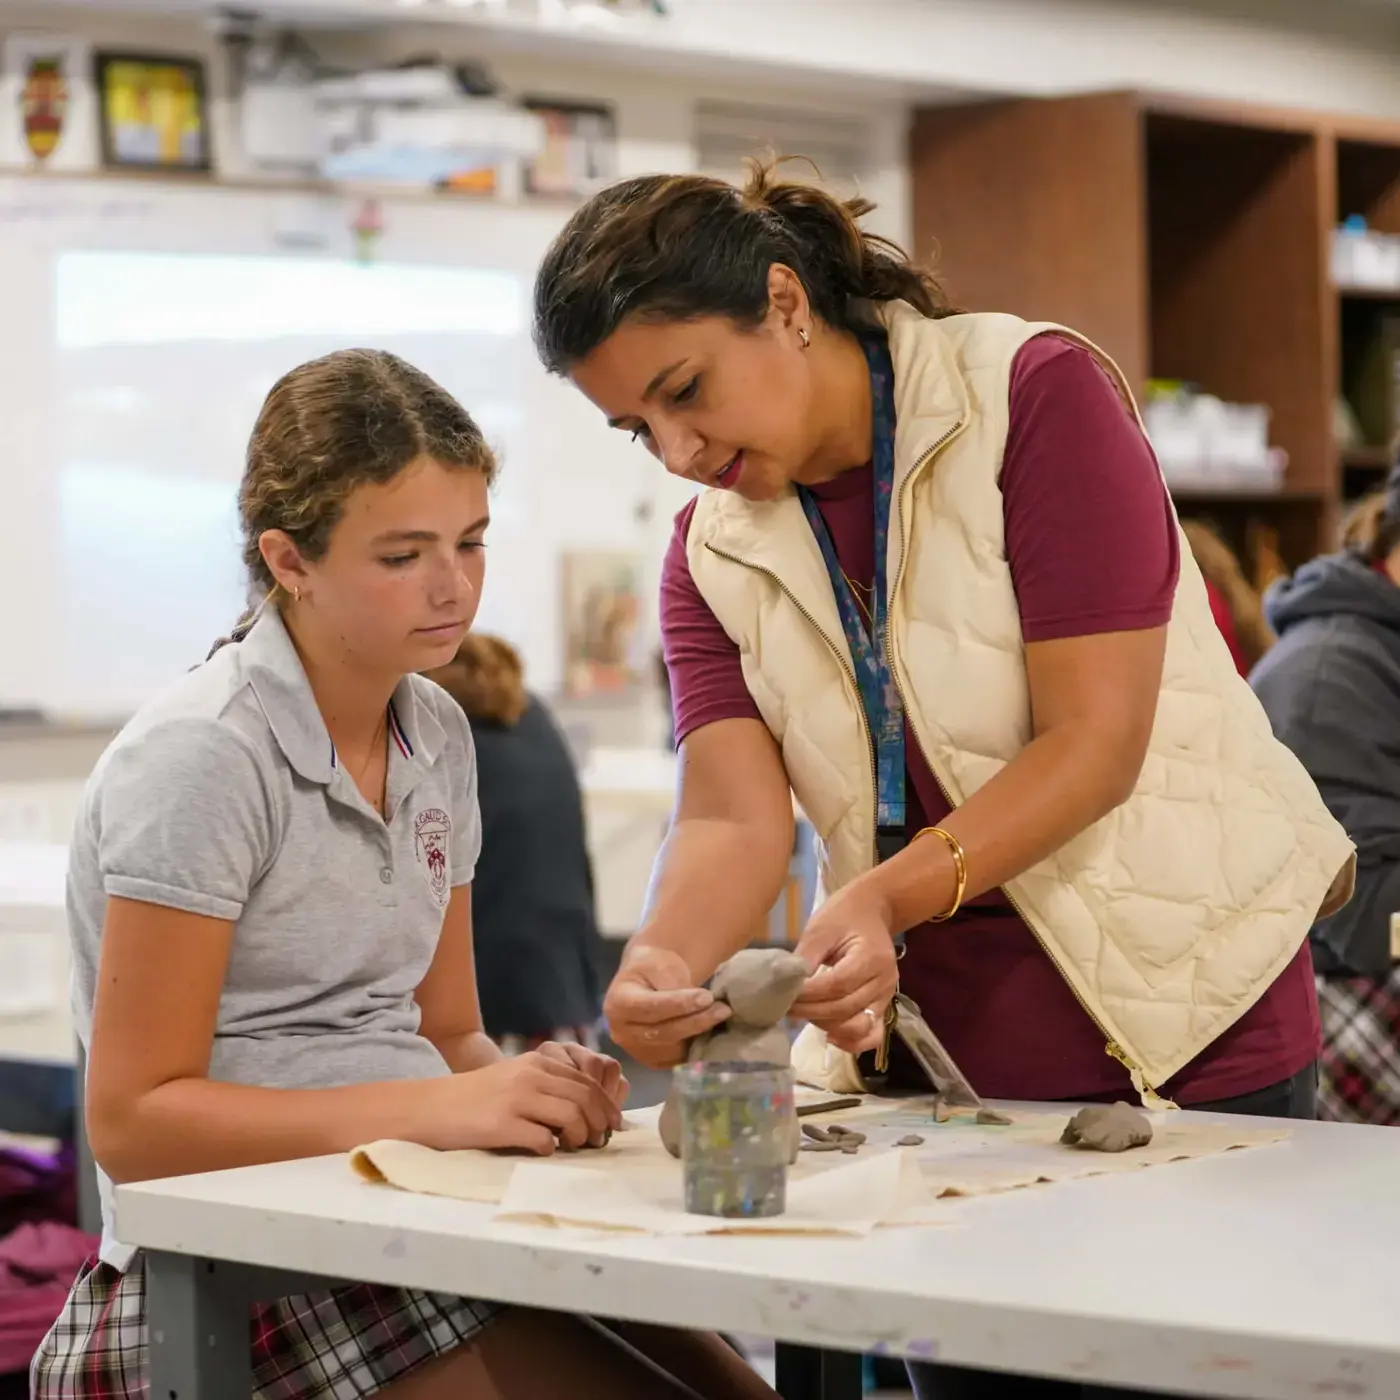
328, 426
681, 247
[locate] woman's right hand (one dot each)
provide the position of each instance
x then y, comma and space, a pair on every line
654, 1009
532, 1102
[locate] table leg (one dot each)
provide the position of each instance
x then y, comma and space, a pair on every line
197, 1314
805, 1373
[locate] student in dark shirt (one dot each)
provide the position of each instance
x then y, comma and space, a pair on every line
1331, 688
532, 899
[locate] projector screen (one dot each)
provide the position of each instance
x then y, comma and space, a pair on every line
145, 328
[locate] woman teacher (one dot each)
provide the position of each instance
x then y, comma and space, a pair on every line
936, 588
934, 585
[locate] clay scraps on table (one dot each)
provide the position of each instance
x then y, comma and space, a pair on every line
1107, 1128
990, 1118
835, 1138
910, 1140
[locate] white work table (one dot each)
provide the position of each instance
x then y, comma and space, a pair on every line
1269, 1273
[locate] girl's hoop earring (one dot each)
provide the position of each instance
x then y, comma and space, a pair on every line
804, 336
296, 595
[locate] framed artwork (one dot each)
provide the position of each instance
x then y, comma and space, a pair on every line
154, 112
46, 116
580, 149
602, 623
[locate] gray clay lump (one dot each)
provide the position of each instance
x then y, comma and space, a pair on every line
759, 985
1107, 1128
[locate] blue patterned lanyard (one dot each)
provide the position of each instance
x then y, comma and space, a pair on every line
883, 709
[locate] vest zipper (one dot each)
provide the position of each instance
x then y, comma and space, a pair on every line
845, 666
1145, 1090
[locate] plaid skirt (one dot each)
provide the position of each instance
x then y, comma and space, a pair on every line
341, 1344
1359, 1074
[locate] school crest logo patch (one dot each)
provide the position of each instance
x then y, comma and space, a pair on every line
432, 840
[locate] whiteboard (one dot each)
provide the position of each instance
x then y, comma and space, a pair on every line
143, 324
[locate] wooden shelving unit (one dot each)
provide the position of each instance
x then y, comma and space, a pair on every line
1192, 241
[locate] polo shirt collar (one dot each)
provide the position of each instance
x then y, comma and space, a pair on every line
279, 681
412, 724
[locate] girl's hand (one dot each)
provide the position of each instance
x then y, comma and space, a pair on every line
532, 1103
602, 1069
849, 944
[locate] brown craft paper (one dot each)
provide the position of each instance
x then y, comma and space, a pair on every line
633, 1184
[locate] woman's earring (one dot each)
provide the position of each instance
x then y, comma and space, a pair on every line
804, 337
296, 595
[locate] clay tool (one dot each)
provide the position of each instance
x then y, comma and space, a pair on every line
926, 1048
810, 1110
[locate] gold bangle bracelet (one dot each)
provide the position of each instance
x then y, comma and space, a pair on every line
959, 870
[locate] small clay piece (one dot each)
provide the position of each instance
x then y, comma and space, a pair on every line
849, 1146
990, 1118
815, 1133
1107, 1128
942, 1110
910, 1140
846, 1134
827, 1146
759, 985
810, 1110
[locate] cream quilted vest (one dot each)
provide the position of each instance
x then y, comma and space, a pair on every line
1170, 916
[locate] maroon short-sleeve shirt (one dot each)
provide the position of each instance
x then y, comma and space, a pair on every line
1092, 547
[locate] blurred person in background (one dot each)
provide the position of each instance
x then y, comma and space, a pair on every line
1331, 687
1234, 601
537, 943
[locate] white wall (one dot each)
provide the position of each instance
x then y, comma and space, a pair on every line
1338, 54
655, 118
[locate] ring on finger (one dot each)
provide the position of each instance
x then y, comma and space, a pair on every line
873, 1014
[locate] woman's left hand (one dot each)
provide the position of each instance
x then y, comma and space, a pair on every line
602, 1069
849, 944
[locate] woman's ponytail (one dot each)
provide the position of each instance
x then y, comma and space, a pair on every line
841, 260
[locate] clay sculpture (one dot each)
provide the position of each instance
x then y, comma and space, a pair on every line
1107, 1128
759, 985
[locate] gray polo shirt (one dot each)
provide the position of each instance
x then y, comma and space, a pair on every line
223, 797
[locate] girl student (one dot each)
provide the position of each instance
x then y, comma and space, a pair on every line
269, 897
933, 584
